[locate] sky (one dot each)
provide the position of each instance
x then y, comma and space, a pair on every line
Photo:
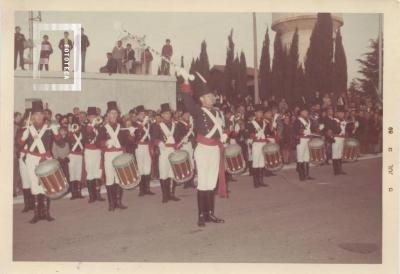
187, 31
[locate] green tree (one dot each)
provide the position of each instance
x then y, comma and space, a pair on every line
265, 69
291, 68
318, 63
204, 65
278, 66
228, 73
339, 73
242, 76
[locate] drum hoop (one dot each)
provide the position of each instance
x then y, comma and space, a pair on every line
58, 166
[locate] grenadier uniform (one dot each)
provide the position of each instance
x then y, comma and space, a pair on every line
338, 127
39, 139
75, 157
92, 157
208, 155
112, 139
302, 130
142, 152
165, 135
260, 133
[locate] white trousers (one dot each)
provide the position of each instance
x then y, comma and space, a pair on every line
189, 149
75, 167
92, 164
164, 164
302, 150
32, 162
257, 155
337, 148
143, 159
23, 171
207, 162
111, 175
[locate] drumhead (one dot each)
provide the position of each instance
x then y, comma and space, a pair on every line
270, 148
47, 167
123, 160
316, 143
232, 150
351, 142
178, 156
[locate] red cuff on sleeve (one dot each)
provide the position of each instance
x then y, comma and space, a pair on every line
186, 88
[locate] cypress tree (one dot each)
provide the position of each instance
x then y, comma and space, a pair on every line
318, 63
228, 74
278, 66
265, 69
204, 65
292, 69
339, 81
242, 75
369, 69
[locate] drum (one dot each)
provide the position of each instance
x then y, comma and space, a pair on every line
272, 156
351, 149
180, 164
52, 179
234, 160
317, 150
127, 171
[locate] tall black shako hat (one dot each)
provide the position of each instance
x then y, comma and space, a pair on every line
200, 88
91, 111
37, 106
164, 108
112, 105
139, 108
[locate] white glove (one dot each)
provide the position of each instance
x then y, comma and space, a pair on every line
356, 124
109, 144
185, 75
132, 130
25, 134
54, 129
321, 126
224, 138
259, 135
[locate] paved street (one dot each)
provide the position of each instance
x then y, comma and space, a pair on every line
333, 219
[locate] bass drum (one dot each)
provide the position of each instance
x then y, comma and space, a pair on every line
272, 157
351, 150
317, 150
52, 179
127, 171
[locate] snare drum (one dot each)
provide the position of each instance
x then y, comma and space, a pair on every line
272, 156
351, 149
234, 160
127, 171
181, 167
52, 179
317, 150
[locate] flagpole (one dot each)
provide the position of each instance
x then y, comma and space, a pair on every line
256, 90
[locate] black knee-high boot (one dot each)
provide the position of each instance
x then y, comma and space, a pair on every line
172, 193
110, 198
307, 171
201, 205
36, 209
261, 177
97, 190
335, 166
340, 167
142, 185
47, 215
164, 191
72, 190
41, 206
27, 199
91, 186
118, 197
147, 190
301, 171
210, 208
256, 177
79, 190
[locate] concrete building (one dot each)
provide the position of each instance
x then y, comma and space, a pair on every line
129, 90
286, 23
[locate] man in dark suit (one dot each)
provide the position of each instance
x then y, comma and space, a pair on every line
111, 66
65, 45
19, 40
84, 45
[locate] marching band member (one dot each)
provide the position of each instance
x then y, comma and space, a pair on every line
271, 117
92, 155
75, 158
21, 154
302, 128
112, 140
165, 135
339, 130
185, 139
142, 152
258, 130
39, 137
209, 153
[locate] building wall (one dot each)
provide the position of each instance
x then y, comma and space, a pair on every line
98, 88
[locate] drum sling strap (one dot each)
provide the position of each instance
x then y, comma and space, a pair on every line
260, 132
146, 130
169, 134
37, 139
307, 126
217, 125
113, 135
190, 132
78, 142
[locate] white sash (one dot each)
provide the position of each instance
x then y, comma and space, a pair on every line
77, 142
190, 132
146, 129
37, 139
113, 135
307, 125
217, 125
168, 133
342, 125
260, 132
